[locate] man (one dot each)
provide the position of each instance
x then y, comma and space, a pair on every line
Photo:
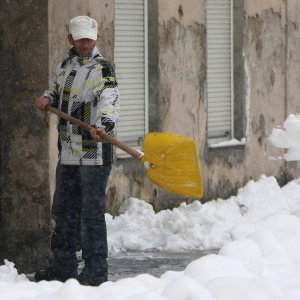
84, 86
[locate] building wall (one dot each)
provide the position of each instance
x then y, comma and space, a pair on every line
264, 64
24, 203
266, 92
292, 91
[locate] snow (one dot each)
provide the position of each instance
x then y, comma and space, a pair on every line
257, 232
229, 143
287, 137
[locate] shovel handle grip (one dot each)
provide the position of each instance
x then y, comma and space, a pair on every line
87, 127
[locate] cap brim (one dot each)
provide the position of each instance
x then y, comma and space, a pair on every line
84, 34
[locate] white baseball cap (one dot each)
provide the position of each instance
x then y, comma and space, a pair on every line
83, 27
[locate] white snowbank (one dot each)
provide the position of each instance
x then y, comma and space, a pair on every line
198, 226
257, 231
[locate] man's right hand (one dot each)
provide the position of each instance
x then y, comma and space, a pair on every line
42, 102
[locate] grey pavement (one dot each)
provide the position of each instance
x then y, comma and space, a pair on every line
132, 263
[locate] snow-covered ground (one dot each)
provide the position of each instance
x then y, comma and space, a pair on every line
257, 233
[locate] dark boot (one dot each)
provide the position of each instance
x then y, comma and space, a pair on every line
52, 273
87, 277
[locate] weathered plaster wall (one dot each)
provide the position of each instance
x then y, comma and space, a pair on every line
293, 70
182, 55
176, 104
182, 62
267, 94
293, 57
24, 204
265, 63
265, 57
256, 7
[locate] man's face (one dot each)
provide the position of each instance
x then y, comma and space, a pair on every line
83, 47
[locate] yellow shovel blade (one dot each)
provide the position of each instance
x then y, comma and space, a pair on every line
172, 163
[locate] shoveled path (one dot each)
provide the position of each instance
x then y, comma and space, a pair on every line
132, 263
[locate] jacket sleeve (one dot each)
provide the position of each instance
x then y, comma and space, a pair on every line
52, 93
107, 96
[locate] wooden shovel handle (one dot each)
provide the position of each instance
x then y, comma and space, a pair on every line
87, 127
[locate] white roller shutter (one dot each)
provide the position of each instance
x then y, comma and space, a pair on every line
130, 57
219, 70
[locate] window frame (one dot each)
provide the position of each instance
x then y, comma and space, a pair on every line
136, 142
220, 135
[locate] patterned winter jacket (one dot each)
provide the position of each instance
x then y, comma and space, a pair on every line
86, 89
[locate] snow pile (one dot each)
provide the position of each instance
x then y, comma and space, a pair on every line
9, 274
258, 231
198, 226
288, 137
188, 227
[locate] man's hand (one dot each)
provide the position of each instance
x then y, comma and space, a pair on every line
42, 102
96, 134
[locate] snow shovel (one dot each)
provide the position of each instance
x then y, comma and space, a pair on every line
171, 160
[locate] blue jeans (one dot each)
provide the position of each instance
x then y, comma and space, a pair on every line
79, 201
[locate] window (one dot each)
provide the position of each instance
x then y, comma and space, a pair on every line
130, 57
219, 89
